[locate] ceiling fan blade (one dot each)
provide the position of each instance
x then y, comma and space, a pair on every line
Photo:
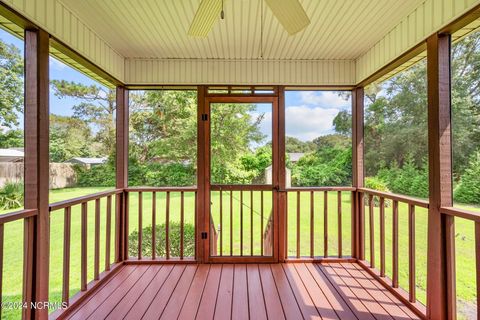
207, 14
290, 14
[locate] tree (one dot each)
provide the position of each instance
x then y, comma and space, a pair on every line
11, 95
11, 138
70, 137
96, 107
293, 144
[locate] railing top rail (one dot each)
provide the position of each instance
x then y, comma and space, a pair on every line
17, 215
161, 189
461, 213
321, 189
72, 202
396, 197
241, 187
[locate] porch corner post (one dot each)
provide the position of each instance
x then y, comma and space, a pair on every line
37, 229
122, 131
202, 204
358, 246
441, 298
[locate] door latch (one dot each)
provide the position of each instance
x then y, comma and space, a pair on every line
204, 235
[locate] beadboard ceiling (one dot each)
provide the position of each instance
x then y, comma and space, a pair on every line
339, 29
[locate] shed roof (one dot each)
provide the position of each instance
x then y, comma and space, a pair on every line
87, 160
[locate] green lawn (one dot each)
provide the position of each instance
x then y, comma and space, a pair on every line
13, 251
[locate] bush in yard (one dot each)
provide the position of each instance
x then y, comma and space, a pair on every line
170, 174
102, 175
11, 196
468, 189
376, 183
174, 237
408, 180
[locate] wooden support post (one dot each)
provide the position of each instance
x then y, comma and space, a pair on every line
121, 252
37, 229
441, 239
203, 206
282, 196
358, 226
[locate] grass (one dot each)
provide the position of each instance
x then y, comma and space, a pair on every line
465, 241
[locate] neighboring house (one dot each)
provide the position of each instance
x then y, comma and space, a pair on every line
295, 156
11, 155
87, 162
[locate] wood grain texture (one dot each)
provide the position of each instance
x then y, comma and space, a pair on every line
239, 291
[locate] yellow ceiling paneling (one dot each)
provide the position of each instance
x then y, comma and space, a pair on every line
339, 29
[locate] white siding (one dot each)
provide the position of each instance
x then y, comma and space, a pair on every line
209, 71
425, 20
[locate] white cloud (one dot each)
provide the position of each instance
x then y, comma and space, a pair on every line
306, 123
324, 99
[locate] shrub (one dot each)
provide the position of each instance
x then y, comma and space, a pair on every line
408, 179
102, 175
376, 183
468, 189
174, 237
11, 196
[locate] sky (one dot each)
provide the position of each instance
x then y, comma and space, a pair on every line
58, 71
308, 114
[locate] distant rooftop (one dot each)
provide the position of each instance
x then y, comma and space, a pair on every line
295, 156
87, 160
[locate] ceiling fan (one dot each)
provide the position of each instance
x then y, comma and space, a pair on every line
289, 13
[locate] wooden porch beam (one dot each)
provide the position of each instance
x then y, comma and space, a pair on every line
121, 245
37, 229
358, 227
441, 298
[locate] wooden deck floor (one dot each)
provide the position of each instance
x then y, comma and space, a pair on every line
276, 291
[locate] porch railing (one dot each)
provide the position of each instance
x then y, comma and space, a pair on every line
372, 216
171, 223
474, 217
316, 222
9, 219
106, 208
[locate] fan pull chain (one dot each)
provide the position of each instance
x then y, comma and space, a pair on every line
261, 29
222, 13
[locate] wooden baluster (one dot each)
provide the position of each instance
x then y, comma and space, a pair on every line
96, 259
339, 208
140, 228
117, 232
1, 264
241, 223
182, 224
411, 253
66, 255
108, 230
83, 264
382, 237
261, 223
372, 230
298, 224
325, 224
126, 226
286, 224
477, 255
154, 224
221, 223
251, 222
167, 226
231, 223
352, 223
312, 225
395, 244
